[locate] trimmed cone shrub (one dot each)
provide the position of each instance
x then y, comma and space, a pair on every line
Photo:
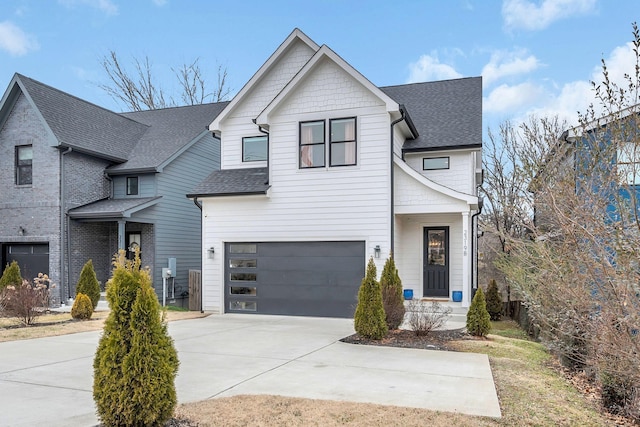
392, 299
82, 307
369, 321
494, 301
11, 276
478, 319
136, 362
88, 284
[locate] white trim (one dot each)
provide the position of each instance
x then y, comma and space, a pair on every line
296, 34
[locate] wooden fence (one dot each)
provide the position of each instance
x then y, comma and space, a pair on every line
195, 290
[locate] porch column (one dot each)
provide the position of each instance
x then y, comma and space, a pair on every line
466, 261
121, 243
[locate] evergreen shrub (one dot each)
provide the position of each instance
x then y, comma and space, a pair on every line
392, 299
82, 307
88, 284
478, 319
494, 301
369, 321
11, 276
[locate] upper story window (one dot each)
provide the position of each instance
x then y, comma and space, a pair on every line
435, 163
628, 159
24, 160
254, 148
132, 185
312, 145
343, 142
342, 147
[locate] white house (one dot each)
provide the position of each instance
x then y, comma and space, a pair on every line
321, 170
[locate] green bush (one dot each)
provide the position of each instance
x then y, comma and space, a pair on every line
392, 300
369, 318
82, 307
494, 301
11, 275
88, 284
136, 362
478, 319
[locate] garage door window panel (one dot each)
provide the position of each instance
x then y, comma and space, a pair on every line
243, 263
250, 291
243, 248
243, 277
243, 306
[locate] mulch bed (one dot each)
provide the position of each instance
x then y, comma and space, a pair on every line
435, 340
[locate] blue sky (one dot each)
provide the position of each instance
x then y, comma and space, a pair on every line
535, 56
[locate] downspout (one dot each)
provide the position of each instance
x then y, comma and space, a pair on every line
65, 291
199, 205
392, 220
474, 270
268, 162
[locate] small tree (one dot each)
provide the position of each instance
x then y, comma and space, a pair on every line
494, 301
392, 301
25, 301
82, 307
369, 319
136, 363
11, 276
478, 319
88, 284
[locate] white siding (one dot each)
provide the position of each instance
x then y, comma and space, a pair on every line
459, 176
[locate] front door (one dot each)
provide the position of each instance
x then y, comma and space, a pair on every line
133, 243
436, 262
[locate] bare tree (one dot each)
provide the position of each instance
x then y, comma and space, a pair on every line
578, 269
139, 89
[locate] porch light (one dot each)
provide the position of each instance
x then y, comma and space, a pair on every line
210, 252
21, 231
376, 251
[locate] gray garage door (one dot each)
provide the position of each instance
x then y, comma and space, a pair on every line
294, 278
32, 258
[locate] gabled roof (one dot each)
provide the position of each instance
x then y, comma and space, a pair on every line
447, 113
170, 131
324, 52
233, 182
296, 35
112, 208
76, 123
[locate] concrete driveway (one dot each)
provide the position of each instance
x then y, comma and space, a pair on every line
48, 381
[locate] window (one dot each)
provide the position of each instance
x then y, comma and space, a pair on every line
312, 145
628, 163
132, 185
343, 142
434, 163
24, 160
254, 148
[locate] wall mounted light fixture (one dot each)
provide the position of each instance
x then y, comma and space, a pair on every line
21, 231
376, 251
210, 252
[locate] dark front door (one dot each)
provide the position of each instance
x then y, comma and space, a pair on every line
436, 262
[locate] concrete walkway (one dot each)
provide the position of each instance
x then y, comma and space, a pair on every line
48, 381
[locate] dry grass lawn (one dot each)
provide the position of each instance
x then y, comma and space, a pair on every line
531, 391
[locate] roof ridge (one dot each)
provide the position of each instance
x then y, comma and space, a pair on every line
430, 82
174, 107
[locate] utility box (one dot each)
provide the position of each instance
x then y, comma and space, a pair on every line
172, 267
167, 273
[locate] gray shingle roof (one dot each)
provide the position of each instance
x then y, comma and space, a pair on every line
446, 113
82, 125
169, 130
232, 182
112, 208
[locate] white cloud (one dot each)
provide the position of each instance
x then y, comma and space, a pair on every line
15, 41
160, 3
509, 99
106, 6
429, 68
503, 64
527, 15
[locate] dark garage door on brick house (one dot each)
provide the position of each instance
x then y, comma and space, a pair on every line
294, 278
33, 258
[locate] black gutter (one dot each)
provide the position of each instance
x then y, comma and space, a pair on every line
440, 148
248, 193
268, 162
393, 123
474, 251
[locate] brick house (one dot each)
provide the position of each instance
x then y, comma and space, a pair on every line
79, 182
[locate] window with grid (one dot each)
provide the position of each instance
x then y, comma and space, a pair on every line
24, 161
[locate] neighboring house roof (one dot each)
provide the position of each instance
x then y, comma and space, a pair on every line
170, 130
232, 182
82, 125
447, 113
112, 208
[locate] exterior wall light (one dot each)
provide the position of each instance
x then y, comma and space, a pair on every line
210, 252
376, 251
21, 231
